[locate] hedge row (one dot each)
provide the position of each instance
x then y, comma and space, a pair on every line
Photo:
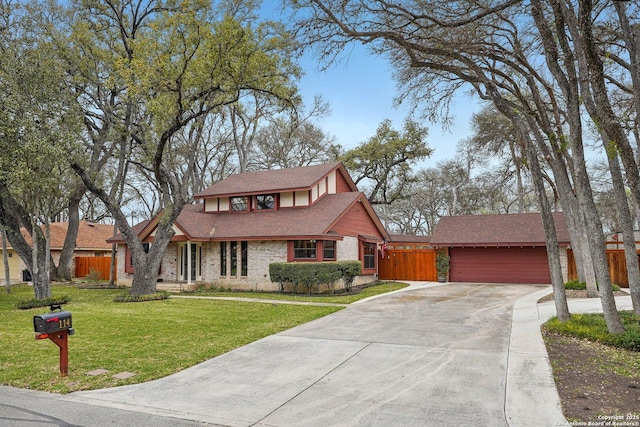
127, 297
36, 303
310, 274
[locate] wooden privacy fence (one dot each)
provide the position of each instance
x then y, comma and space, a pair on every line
86, 265
408, 264
617, 267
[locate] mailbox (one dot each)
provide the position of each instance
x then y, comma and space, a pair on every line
53, 322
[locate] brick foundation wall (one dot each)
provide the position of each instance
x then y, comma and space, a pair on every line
260, 255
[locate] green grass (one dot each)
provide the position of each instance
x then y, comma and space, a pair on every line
151, 339
592, 326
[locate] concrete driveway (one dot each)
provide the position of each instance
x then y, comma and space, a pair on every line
432, 356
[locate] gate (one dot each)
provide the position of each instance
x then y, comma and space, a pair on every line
408, 264
617, 267
102, 264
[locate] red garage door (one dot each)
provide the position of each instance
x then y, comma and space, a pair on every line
499, 265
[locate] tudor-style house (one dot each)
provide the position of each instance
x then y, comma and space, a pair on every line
240, 225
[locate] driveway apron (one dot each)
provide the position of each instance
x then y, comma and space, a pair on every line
432, 356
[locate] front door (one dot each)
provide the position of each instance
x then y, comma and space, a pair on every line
189, 261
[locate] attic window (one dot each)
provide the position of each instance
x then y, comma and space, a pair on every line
265, 202
239, 204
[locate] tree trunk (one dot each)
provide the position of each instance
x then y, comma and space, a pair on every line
145, 275
519, 184
631, 37
595, 238
569, 82
551, 238
624, 215
12, 215
39, 273
68, 249
584, 266
47, 248
112, 263
5, 259
145, 278
582, 253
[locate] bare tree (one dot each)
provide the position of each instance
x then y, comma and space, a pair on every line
436, 49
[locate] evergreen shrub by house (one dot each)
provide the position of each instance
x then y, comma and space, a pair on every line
310, 274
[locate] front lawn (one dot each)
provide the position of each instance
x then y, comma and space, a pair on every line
151, 339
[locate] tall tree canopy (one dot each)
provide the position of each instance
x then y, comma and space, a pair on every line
39, 125
145, 73
383, 164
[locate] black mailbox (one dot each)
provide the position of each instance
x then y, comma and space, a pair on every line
52, 322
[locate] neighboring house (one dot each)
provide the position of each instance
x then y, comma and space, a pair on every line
247, 221
507, 248
91, 242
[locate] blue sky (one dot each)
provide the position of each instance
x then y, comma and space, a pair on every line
360, 91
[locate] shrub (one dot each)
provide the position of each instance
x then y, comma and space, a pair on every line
349, 271
94, 274
141, 298
442, 263
310, 274
34, 303
576, 285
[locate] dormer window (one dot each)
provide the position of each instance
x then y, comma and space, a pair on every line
239, 204
265, 202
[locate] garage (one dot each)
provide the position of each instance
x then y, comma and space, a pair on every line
499, 265
499, 248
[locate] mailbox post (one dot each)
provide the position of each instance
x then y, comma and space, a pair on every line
56, 326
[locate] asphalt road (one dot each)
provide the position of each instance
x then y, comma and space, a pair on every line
27, 408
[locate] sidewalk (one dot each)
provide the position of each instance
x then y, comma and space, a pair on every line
531, 393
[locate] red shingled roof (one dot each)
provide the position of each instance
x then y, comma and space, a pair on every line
137, 229
497, 230
273, 180
90, 236
313, 221
316, 221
